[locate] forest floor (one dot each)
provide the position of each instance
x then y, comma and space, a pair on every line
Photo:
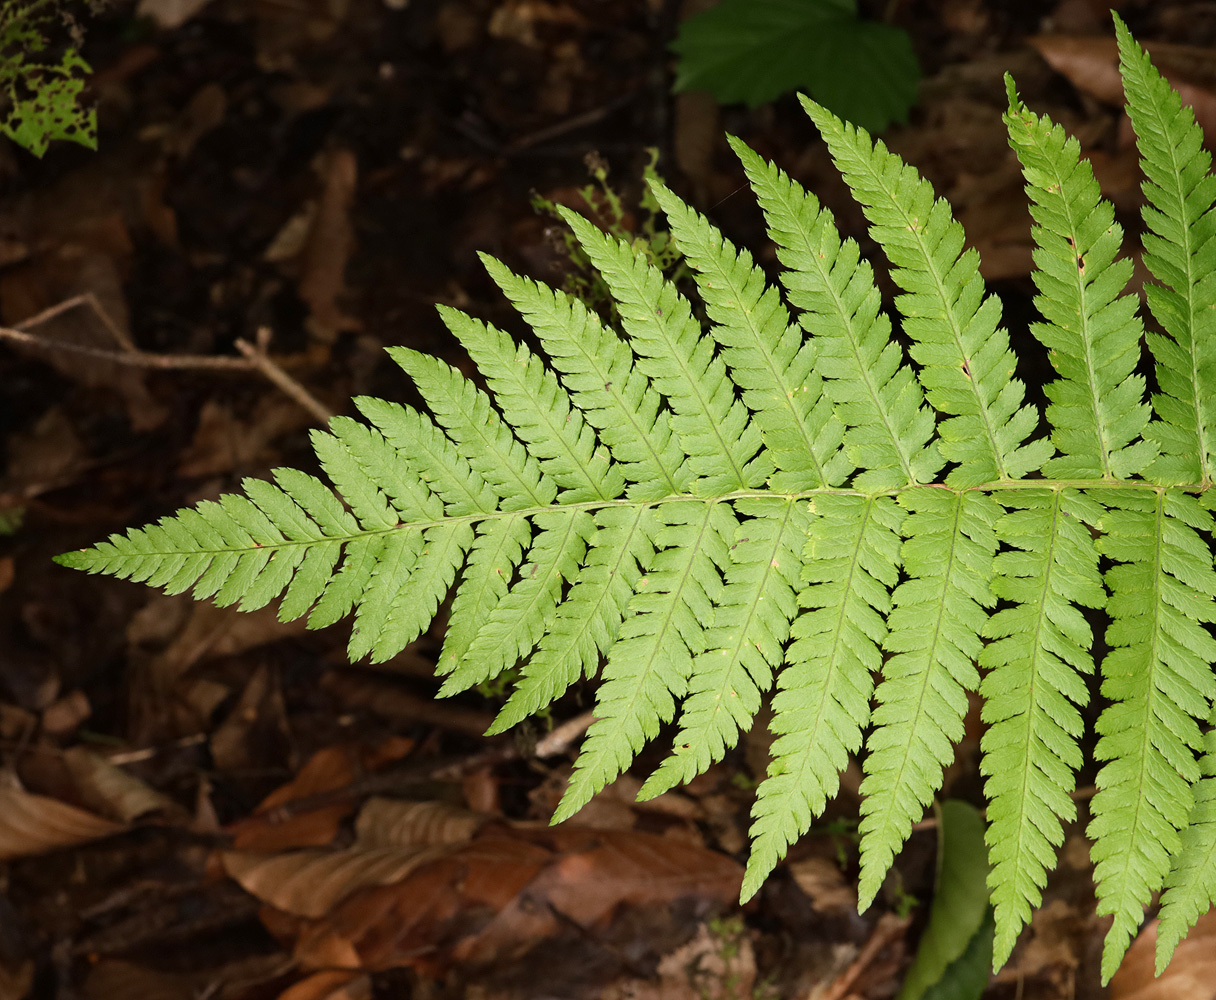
282, 189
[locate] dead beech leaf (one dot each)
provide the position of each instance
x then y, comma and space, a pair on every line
111, 790
1191, 974
1092, 65
330, 985
34, 824
444, 900
309, 883
398, 823
117, 980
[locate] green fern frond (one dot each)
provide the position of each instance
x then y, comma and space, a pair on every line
1034, 690
780, 504
1097, 410
1158, 678
937, 617
1190, 886
851, 562
965, 363
1180, 251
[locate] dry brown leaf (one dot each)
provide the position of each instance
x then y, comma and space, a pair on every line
16, 980
111, 790
330, 985
170, 14
1191, 974
443, 901
34, 824
400, 823
331, 240
1092, 65
309, 883
116, 980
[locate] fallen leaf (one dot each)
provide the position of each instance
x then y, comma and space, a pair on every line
1191, 974
111, 790
35, 824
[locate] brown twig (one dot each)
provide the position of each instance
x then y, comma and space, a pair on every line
256, 359
888, 929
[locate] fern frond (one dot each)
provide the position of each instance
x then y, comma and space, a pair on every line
1190, 887
1180, 251
703, 512
889, 429
664, 630
934, 627
597, 367
823, 701
715, 429
766, 354
1159, 682
966, 365
1033, 692
745, 645
1097, 412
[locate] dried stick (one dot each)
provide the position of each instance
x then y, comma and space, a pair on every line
255, 358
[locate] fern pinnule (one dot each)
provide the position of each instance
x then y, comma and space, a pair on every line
1180, 252
597, 367
745, 646
715, 429
649, 665
934, 628
1033, 691
889, 430
1092, 331
965, 361
1190, 886
851, 562
768, 357
1159, 682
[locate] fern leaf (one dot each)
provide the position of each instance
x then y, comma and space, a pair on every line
649, 665
1180, 251
889, 429
744, 646
1190, 887
714, 428
1159, 682
1033, 692
516, 623
597, 367
345, 589
823, 701
766, 354
966, 364
588, 621
539, 411
494, 556
467, 415
422, 447
934, 627
1092, 331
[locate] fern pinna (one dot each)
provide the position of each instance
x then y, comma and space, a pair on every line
780, 503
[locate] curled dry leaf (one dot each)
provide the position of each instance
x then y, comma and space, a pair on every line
34, 824
112, 791
117, 980
398, 823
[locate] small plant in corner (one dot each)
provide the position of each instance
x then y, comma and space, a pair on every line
781, 502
